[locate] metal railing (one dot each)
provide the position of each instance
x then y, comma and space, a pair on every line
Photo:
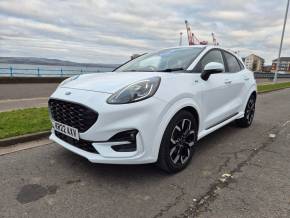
64, 72
41, 72
261, 75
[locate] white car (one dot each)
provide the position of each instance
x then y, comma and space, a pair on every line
153, 108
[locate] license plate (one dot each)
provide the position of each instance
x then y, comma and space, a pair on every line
66, 130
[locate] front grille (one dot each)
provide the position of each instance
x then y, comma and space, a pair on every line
72, 114
81, 144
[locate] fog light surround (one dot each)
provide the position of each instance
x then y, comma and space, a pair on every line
129, 139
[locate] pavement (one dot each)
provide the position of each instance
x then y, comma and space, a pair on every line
13, 104
26, 90
26, 95
234, 173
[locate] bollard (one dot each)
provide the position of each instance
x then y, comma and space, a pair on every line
11, 71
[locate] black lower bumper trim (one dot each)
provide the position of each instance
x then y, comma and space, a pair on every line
81, 144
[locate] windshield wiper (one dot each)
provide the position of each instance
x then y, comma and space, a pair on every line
172, 69
130, 71
139, 70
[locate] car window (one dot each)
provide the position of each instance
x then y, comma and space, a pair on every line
212, 56
233, 64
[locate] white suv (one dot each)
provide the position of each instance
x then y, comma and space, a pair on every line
153, 108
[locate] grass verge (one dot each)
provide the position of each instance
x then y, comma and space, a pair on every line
272, 87
24, 121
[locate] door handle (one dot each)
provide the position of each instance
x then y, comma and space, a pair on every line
228, 82
246, 79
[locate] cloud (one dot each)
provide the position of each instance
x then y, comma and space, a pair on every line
110, 31
228, 15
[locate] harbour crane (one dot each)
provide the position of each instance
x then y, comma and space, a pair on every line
193, 40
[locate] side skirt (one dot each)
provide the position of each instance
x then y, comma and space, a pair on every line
227, 118
209, 130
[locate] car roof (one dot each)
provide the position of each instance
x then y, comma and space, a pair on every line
200, 46
206, 48
188, 46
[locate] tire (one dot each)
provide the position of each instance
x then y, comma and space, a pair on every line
178, 142
247, 120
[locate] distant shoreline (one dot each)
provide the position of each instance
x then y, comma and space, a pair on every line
50, 62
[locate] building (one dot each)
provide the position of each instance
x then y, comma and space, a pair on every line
254, 62
267, 69
284, 64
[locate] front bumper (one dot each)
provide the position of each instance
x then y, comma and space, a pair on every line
143, 116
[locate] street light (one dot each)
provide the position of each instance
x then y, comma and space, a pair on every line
281, 42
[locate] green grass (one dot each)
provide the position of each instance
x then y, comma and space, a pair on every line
24, 121
273, 86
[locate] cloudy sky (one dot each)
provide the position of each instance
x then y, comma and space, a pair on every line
109, 31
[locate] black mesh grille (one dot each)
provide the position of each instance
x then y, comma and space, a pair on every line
82, 144
72, 114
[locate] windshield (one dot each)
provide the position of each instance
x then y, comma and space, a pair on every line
167, 60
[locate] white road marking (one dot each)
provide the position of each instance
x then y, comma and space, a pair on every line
284, 124
23, 99
24, 146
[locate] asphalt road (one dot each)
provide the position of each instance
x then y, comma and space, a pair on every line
234, 173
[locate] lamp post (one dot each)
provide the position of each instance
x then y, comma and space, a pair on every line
180, 39
281, 42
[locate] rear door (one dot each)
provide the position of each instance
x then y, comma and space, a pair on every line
215, 94
236, 82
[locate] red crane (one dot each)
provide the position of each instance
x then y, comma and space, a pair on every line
193, 40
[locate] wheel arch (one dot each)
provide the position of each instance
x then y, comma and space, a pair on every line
194, 112
254, 93
184, 104
251, 91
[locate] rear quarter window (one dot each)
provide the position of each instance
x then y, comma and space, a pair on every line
233, 63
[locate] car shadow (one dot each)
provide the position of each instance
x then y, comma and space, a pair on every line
77, 163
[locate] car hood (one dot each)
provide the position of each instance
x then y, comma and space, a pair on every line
109, 82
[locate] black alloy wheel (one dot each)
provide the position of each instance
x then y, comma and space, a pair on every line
178, 142
249, 114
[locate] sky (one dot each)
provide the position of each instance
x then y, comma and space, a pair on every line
110, 31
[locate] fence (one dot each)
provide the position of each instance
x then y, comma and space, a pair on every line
261, 75
41, 72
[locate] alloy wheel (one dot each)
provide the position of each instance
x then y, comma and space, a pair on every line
250, 110
182, 140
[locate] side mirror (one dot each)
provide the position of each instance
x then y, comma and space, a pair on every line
212, 68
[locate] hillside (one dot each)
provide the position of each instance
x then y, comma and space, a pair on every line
46, 61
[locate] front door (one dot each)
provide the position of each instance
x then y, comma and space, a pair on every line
236, 84
215, 95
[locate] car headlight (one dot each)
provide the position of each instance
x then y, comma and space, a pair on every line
68, 80
135, 92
